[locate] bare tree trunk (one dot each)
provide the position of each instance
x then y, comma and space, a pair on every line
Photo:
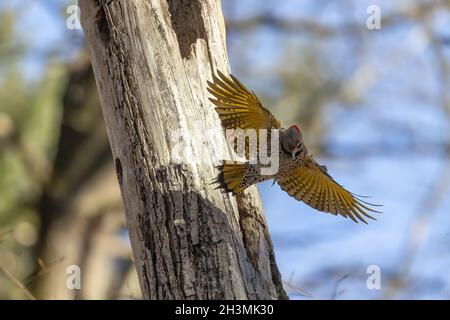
151, 60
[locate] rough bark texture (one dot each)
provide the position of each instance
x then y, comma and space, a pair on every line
151, 59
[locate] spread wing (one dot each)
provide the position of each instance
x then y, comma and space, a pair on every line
315, 187
238, 107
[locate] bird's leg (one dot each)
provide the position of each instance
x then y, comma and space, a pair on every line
274, 181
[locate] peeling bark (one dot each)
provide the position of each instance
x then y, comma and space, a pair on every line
151, 59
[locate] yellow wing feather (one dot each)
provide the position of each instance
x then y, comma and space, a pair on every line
237, 106
319, 190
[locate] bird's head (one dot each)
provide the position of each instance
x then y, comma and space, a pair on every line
292, 141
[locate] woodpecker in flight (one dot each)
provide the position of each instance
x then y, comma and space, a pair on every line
299, 174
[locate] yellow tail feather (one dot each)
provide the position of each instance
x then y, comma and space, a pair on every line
231, 176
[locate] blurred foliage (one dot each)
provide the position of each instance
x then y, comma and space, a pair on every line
59, 200
29, 124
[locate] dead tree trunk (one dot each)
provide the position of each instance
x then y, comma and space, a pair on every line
151, 60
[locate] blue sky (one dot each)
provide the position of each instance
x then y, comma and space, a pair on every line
401, 108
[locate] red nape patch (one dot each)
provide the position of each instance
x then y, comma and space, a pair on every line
296, 127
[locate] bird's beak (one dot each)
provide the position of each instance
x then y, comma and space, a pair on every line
293, 153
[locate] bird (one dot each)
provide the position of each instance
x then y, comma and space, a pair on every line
299, 174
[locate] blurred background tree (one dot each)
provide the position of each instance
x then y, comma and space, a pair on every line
60, 203
374, 106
